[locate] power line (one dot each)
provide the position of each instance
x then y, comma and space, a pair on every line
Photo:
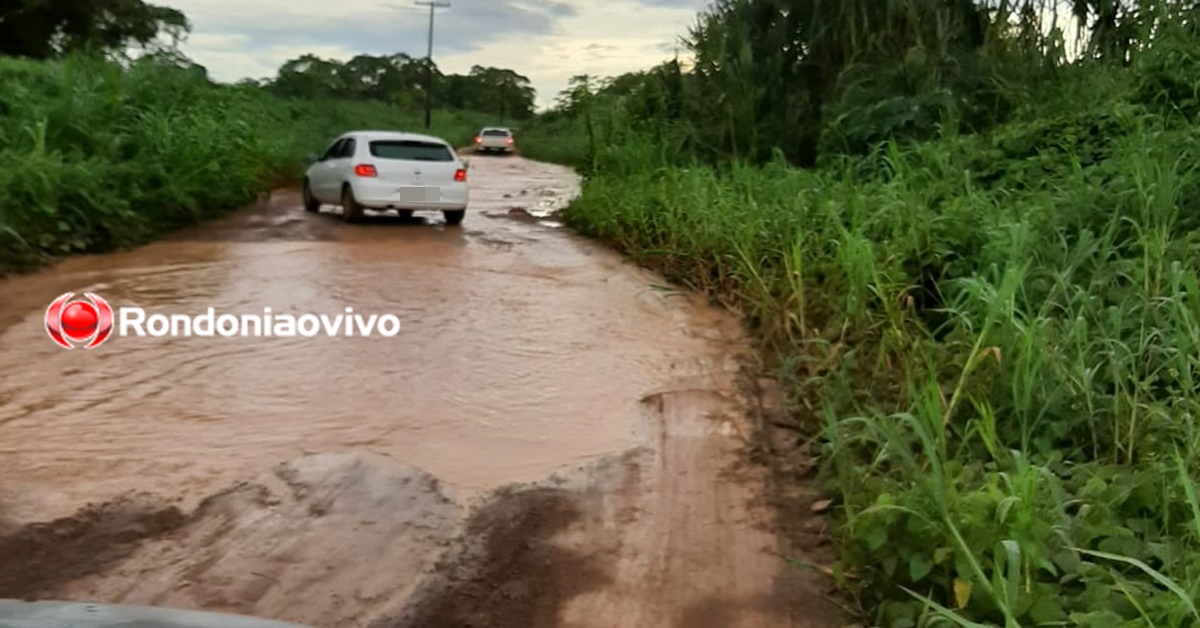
432, 4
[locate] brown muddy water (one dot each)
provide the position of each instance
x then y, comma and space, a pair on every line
553, 438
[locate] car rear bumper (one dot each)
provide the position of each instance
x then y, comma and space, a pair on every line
381, 195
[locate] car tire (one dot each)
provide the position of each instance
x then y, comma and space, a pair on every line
454, 216
311, 204
351, 210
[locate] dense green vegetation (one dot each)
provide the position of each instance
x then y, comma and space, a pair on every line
981, 285
98, 151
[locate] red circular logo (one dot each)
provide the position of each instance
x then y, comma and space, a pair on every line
80, 320
88, 321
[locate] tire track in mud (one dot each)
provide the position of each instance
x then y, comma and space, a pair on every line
676, 534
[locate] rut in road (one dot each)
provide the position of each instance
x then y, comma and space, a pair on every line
552, 439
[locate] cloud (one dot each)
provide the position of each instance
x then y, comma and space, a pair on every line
547, 40
373, 28
693, 5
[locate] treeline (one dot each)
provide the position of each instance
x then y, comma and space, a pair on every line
966, 235
400, 80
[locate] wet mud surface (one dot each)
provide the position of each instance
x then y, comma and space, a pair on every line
552, 439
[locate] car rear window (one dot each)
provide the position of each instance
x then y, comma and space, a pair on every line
495, 133
411, 150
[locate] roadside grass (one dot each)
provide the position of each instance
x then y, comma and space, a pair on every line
562, 141
94, 157
997, 338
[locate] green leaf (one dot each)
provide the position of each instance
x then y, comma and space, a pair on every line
1097, 619
1046, 609
1122, 546
876, 537
1067, 561
919, 566
890, 562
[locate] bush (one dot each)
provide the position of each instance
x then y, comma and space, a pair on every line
93, 156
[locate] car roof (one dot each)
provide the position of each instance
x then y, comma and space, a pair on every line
369, 135
497, 128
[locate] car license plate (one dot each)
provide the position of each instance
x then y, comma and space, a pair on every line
421, 194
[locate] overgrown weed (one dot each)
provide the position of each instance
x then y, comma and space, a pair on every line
93, 156
995, 334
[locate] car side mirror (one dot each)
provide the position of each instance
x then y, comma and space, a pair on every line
312, 158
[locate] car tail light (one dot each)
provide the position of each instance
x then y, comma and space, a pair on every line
365, 170
460, 175
508, 140
478, 140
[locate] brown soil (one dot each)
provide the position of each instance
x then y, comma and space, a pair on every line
549, 442
507, 571
45, 556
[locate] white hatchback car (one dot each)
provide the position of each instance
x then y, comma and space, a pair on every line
384, 170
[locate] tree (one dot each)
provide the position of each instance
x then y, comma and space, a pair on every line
503, 92
309, 76
43, 29
571, 99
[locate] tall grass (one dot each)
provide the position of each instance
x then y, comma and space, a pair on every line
995, 335
93, 156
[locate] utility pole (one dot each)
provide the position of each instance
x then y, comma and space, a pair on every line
432, 4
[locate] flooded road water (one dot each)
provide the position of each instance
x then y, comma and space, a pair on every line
352, 481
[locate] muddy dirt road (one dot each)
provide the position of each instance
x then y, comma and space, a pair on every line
552, 439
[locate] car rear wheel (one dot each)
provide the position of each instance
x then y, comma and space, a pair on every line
454, 217
351, 210
311, 204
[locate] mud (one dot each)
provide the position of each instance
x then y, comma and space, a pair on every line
551, 440
44, 556
506, 571
326, 540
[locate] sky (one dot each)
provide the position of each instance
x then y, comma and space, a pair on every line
548, 41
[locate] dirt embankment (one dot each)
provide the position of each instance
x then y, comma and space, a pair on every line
553, 440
